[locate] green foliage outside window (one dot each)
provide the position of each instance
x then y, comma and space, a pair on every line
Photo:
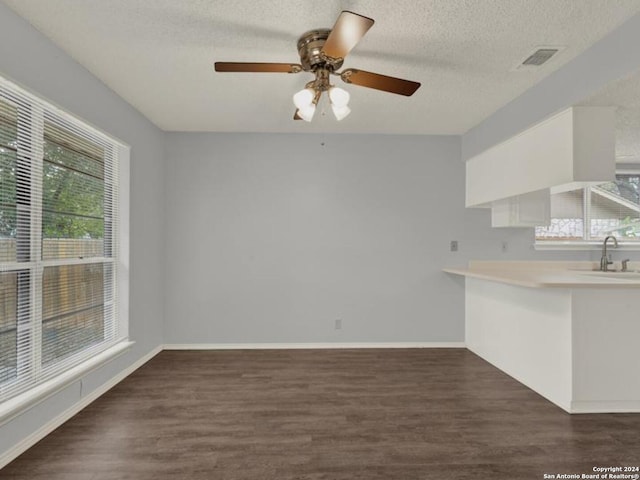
73, 199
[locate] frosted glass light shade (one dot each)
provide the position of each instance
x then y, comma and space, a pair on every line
340, 112
303, 98
339, 97
306, 113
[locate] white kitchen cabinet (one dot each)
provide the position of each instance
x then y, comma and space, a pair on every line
572, 149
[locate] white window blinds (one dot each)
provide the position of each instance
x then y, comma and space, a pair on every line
58, 241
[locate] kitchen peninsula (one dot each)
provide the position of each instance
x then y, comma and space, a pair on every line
568, 332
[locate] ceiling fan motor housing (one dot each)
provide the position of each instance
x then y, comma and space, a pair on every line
310, 49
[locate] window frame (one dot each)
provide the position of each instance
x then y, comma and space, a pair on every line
588, 243
92, 358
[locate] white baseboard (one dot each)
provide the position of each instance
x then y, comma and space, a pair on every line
613, 406
286, 346
83, 402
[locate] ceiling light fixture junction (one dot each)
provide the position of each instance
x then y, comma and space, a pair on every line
313, 59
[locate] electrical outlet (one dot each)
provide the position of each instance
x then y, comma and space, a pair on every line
454, 246
338, 324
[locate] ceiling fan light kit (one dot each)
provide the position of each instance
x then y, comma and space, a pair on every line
340, 112
304, 98
306, 113
322, 52
307, 99
339, 97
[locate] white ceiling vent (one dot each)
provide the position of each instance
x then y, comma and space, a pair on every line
539, 57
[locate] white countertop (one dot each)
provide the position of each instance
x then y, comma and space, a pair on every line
551, 274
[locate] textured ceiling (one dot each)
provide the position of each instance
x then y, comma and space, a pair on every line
624, 94
159, 54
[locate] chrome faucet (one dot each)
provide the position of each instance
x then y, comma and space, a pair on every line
604, 261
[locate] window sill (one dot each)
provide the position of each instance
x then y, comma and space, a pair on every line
17, 405
595, 246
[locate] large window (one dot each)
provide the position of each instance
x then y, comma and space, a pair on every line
593, 213
58, 241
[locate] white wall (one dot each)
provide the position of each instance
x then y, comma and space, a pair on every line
270, 238
29, 59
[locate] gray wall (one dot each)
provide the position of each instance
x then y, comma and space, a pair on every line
270, 238
31, 60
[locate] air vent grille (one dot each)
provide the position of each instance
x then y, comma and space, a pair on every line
540, 56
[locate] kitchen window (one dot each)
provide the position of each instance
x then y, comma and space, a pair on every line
59, 242
588, 215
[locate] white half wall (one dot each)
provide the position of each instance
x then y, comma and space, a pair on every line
576, 347
525, 332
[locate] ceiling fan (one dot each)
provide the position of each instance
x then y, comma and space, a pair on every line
322, 52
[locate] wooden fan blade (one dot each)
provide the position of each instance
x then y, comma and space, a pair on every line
258, 67
345, 34
380, 82
296, 116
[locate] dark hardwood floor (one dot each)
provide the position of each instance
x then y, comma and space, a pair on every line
326, 414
